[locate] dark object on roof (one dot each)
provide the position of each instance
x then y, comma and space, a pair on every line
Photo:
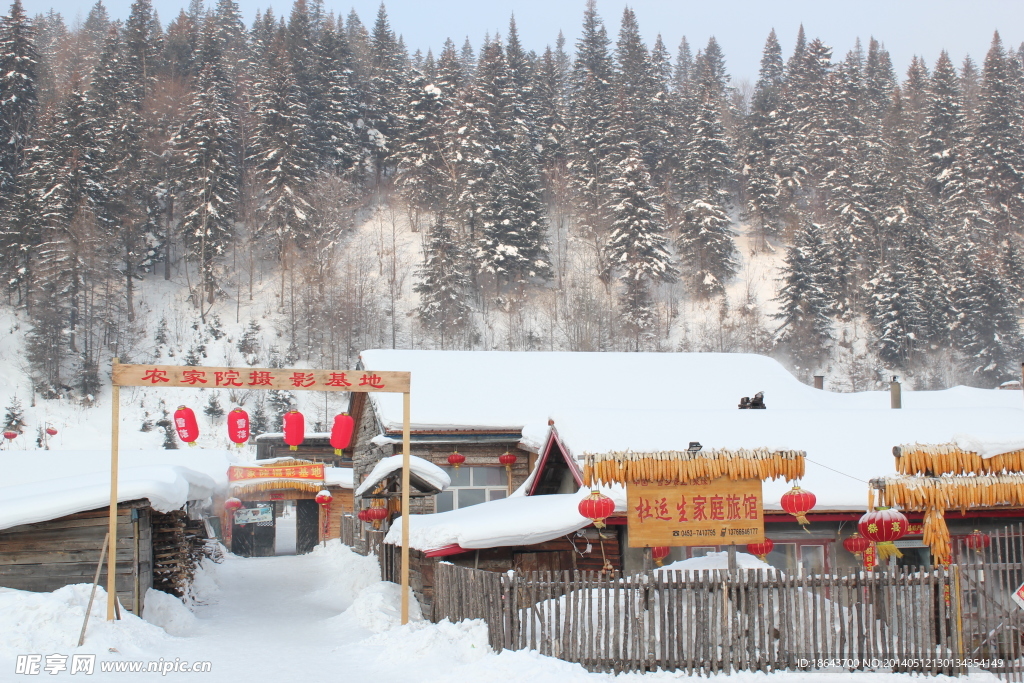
745, 403
757, 403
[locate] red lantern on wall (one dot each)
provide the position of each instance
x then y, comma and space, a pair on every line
761, 549
232, 504
324, 498
884, 526
856, 544
456, 459
978, 540
51, 431
186, 425
597, 507
238, 426
659, 553
798, 503
341, 432
508, 459
294, 429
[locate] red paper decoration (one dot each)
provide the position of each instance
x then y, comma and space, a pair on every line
51, 431
978, 540
507, 459
238, 426
761, 549
294, 429
597, 507
341, 432
659, 553
883, 526
10, 435
456, 459
324, 498
856, 544
186, 425
798, 503
232, 504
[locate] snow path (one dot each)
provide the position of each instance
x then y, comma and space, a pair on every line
291, 619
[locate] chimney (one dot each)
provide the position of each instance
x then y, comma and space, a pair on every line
895, 394
819, 381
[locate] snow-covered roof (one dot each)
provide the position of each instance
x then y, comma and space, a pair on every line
167, 487
845, 448
508, 390
518, 520
429, 473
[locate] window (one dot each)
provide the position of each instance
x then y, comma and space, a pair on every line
807, 558
471, 486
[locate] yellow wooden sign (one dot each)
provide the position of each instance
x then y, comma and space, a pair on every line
292, 379
705, 512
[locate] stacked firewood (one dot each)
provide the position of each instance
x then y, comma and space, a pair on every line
179, 545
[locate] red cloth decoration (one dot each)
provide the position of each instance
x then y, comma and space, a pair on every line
798, 503
341, 432
185, 423
238, 426
597, 507
294, 429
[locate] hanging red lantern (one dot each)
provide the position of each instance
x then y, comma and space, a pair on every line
884, 526
508, 459
597, 507
9, 435
341, 432
798, 503
324, 498
232, 504
376, 515
238, 426
456, 459
978, 540
856, 544
51, 431
659, 553
362, 515
294, 429
185, 423
761, 549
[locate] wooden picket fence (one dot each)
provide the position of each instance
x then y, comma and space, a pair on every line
943, 620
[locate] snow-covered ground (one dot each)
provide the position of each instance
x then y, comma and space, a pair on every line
299, 618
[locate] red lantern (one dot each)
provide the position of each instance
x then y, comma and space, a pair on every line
856, 544
761, 549
51, 431
508, 459
324, 498
659, 553
294, 429
798, 503
597, 507
238, 426
883, 526
376, 515
185, 423
978, 540
362, 515
10, 435
232, 504
341, 432
456, 459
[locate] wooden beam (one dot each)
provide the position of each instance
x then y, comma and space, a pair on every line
115, 417
406, 466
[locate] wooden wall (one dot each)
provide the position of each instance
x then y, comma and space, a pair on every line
48, 555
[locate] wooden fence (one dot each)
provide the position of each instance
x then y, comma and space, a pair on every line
941, 620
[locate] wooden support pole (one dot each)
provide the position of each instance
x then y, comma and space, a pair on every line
115, 418
405, 507
92, 595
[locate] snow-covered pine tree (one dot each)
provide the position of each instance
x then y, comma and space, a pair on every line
444, 286
335, 130
421, 175
637, 245
550, 126
805, 298
206, 146
636, 92
19, 63
143, 47
384, 105
14, 416
213, 409
998, 144
895, 312
765, 137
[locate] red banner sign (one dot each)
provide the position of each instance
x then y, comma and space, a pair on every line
126, 375
312, 472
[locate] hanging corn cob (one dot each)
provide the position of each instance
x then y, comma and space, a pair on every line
681, 467
948, 458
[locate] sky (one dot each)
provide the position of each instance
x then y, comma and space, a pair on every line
906, 27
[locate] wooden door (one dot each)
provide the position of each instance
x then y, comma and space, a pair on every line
307, 525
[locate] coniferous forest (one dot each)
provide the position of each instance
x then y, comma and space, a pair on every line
585, 197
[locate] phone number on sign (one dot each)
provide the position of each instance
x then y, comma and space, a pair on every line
900, 662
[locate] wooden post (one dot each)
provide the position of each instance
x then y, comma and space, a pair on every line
92, 595
895, 394
819, 381
731, 558
405, 507
115, 398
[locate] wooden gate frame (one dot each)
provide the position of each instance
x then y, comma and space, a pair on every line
288, 379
